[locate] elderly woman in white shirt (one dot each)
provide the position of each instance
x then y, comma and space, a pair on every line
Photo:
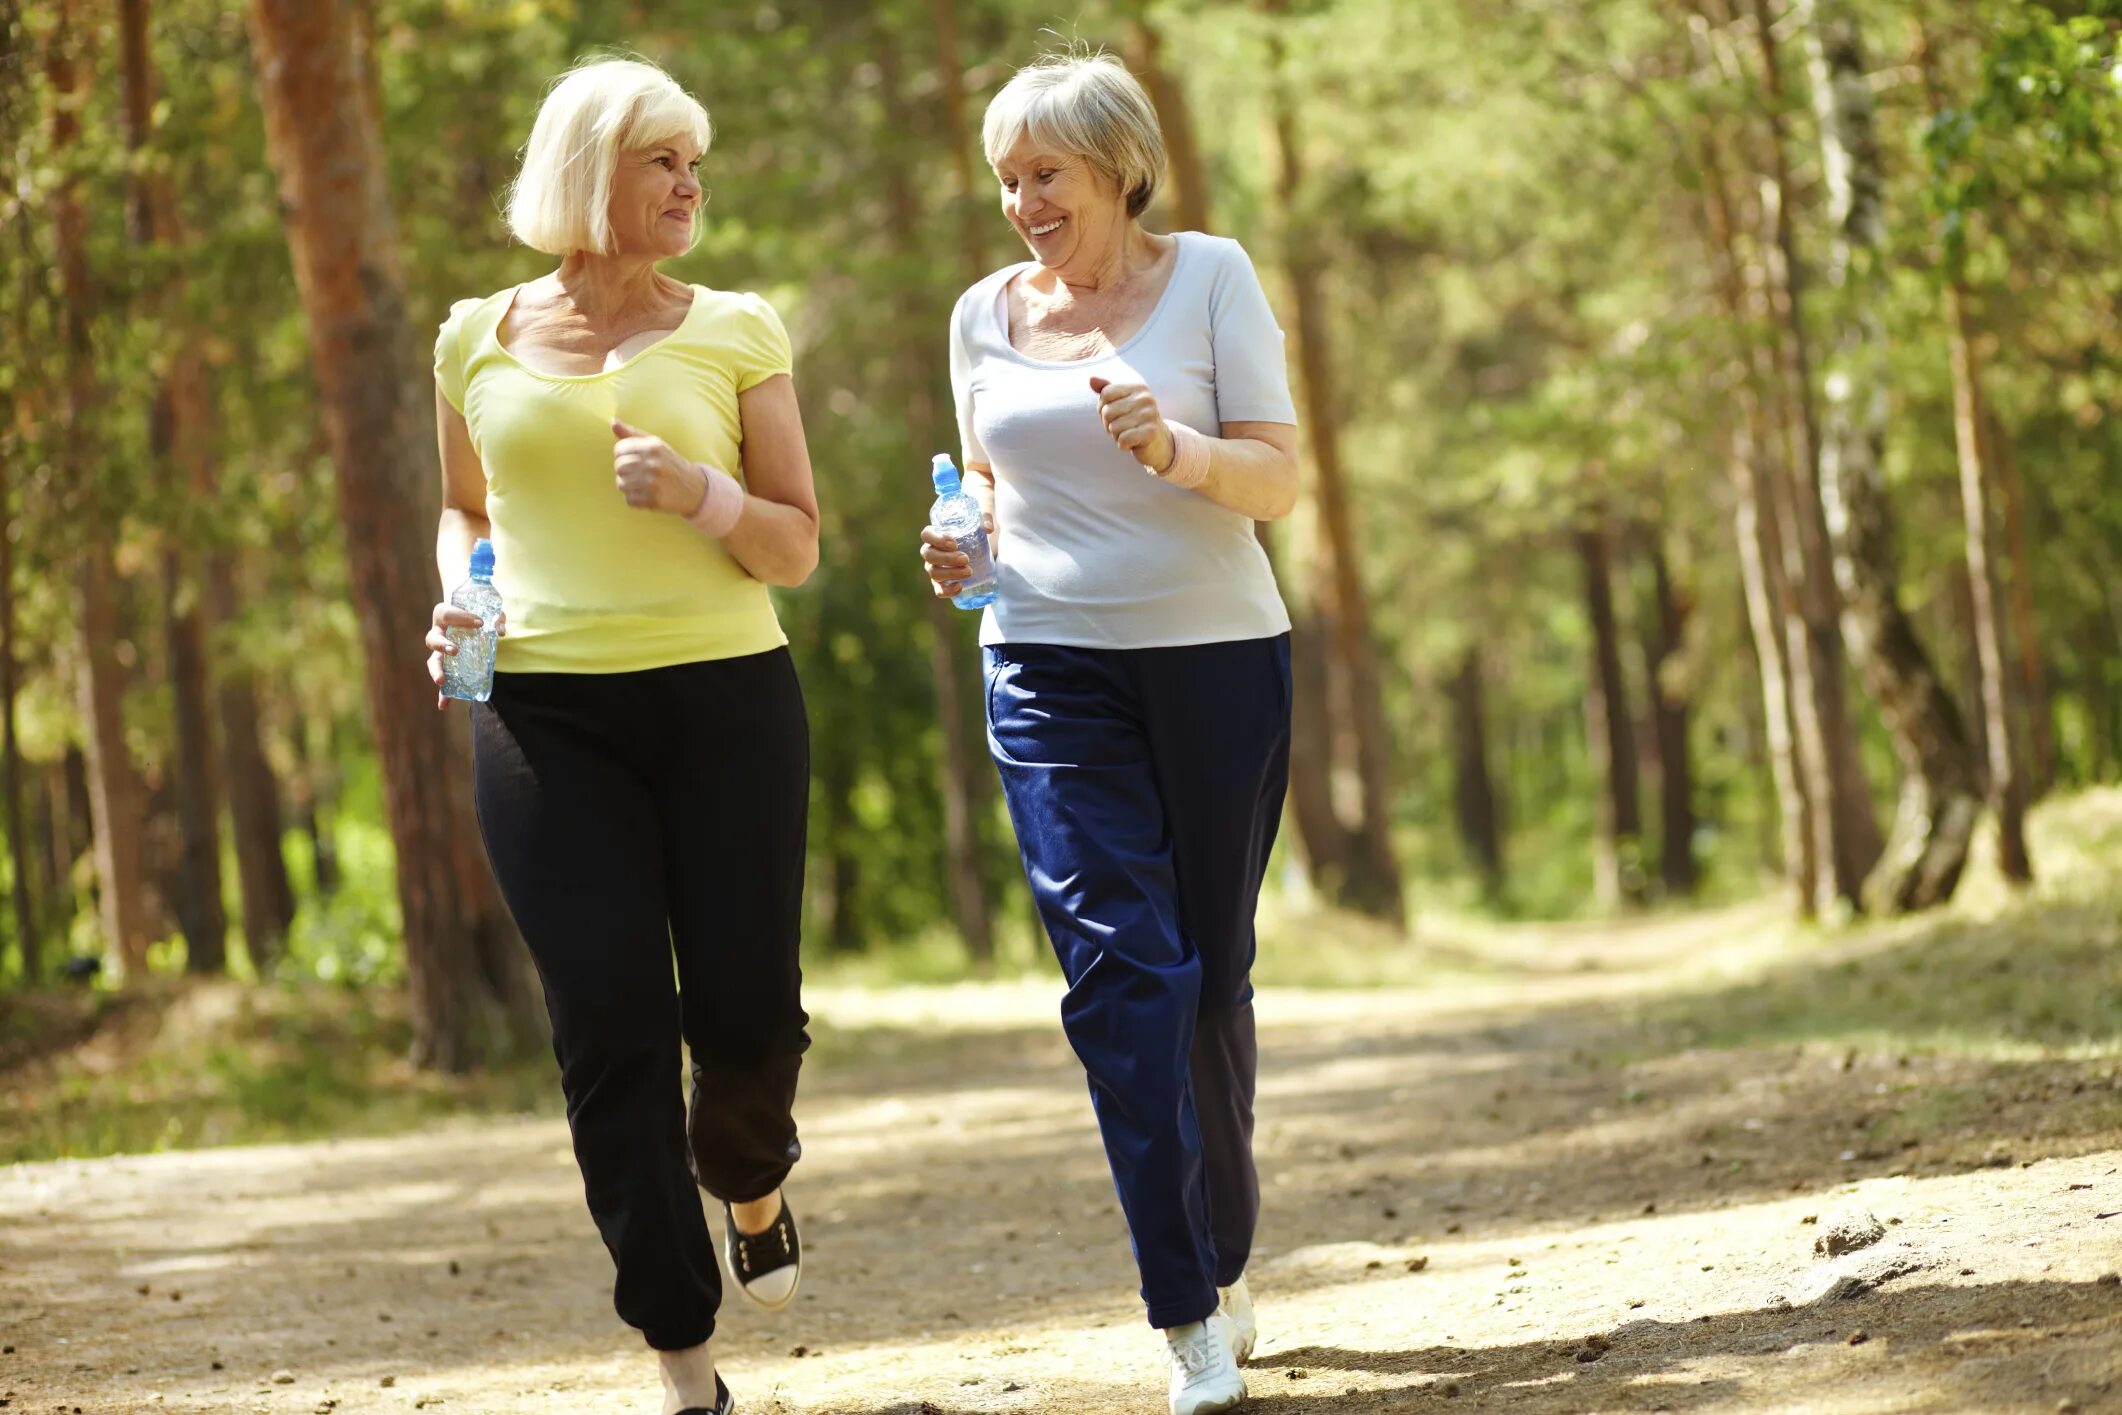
1124, 410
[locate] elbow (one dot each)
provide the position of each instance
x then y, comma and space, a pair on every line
1283, 499
801, 562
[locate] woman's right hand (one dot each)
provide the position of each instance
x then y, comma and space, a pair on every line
949, 567
447, 616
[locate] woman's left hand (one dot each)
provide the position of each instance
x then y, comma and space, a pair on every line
1133, 420
651, 476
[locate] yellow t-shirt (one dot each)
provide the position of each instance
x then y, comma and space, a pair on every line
590, 584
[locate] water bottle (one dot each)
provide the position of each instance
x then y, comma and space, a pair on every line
468, 674
958, 516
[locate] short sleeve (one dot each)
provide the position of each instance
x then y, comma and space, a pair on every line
1252, 374
961, 386
449, 353
762, 345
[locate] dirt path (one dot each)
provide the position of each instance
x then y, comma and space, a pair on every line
1532, 1193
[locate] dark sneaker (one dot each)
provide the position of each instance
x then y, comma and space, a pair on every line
766, 1266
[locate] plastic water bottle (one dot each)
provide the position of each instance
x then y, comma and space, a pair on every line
958, 516
468, 674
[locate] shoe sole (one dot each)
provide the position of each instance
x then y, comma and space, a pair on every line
1221, 1406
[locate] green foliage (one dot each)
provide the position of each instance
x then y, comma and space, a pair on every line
1520, 308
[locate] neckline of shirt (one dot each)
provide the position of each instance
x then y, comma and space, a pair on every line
634, 358
999, 311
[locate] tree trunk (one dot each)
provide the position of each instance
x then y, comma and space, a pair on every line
1763, 565
1848, 822
327, 154
1610, 730
1669, 722
1928, 847
113, 788
950, 667
1474, 791
1372, 879
1185, 192
2033, 678
268, 897
177, 438
314, 791
2007, 787
28, 944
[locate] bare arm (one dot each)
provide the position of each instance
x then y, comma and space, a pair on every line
1252, 469
776, 539
462, 522
463, 495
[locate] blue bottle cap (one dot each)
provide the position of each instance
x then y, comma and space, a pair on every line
483, 558
944, 473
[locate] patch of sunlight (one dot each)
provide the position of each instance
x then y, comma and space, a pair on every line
194, 1263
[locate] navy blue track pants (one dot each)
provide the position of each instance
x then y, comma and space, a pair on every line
1146, 786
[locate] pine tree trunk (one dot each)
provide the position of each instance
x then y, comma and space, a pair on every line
267, 895
2007, 787
2026, 637
950, 666
1928, 846
1669, 722
326, 152
114, 790
1371, 882
1185, 193
1763, 565
28, 943
1610, 730
177, 441
1474, 790
1848, 823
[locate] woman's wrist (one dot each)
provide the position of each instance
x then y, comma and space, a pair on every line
721, 503
1188, 467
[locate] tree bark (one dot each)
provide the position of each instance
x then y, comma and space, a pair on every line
1847, 822
1669, 722
268, 897
114, 791
950, 668
1763, 562
1610, 729
327, 155
1370, 881
177, 440
1185, 193
2007, 785
28, 943
1474, 790
2033, 676
1928, 846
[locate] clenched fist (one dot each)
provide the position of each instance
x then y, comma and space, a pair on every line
651, 476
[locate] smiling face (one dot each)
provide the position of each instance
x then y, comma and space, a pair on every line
1069, 214
656, 199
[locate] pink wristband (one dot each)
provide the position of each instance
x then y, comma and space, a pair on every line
716, 515
1189, 464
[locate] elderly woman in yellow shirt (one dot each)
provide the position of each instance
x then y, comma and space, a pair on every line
631, 446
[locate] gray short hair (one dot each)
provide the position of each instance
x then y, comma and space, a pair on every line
1088, 105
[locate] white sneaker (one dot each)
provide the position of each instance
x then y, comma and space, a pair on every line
1237, 1309
1205, 1379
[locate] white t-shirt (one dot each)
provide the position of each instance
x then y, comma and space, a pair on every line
1095, 551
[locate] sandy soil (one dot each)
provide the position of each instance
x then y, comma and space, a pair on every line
1527, 1193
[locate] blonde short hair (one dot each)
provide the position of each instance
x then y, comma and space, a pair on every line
561, 201
1087, 105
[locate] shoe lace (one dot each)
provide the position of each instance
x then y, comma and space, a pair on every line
1198, 1353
